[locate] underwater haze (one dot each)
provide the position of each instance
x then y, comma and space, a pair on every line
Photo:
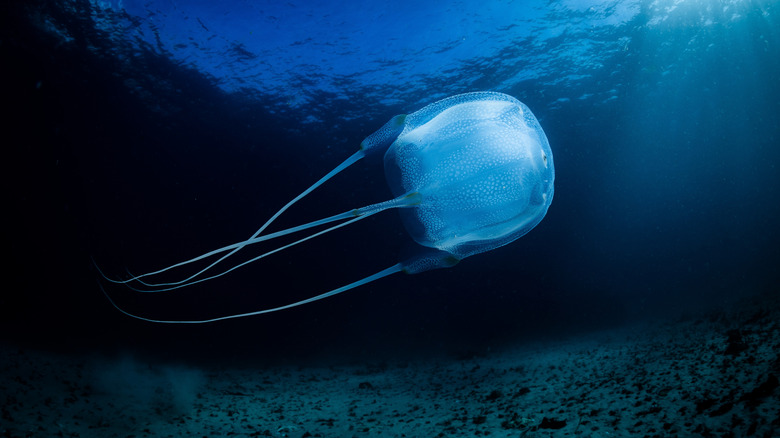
150, 132
141, 134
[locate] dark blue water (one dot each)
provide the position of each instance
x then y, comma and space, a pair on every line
145, 133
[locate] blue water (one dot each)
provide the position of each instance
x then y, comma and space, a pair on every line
155, 131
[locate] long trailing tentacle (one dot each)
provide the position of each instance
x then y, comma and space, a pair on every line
240, 245
200, 280
138, 278
355, 215
389, 271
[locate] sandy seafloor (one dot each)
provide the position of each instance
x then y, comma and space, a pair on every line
710, 375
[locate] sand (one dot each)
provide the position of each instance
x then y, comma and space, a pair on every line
713, 375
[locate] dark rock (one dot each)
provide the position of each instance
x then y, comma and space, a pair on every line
703, 431
704, 404
735, 344
651, 410
551, 423
494, 394
760, 392
522, 391
722, 409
